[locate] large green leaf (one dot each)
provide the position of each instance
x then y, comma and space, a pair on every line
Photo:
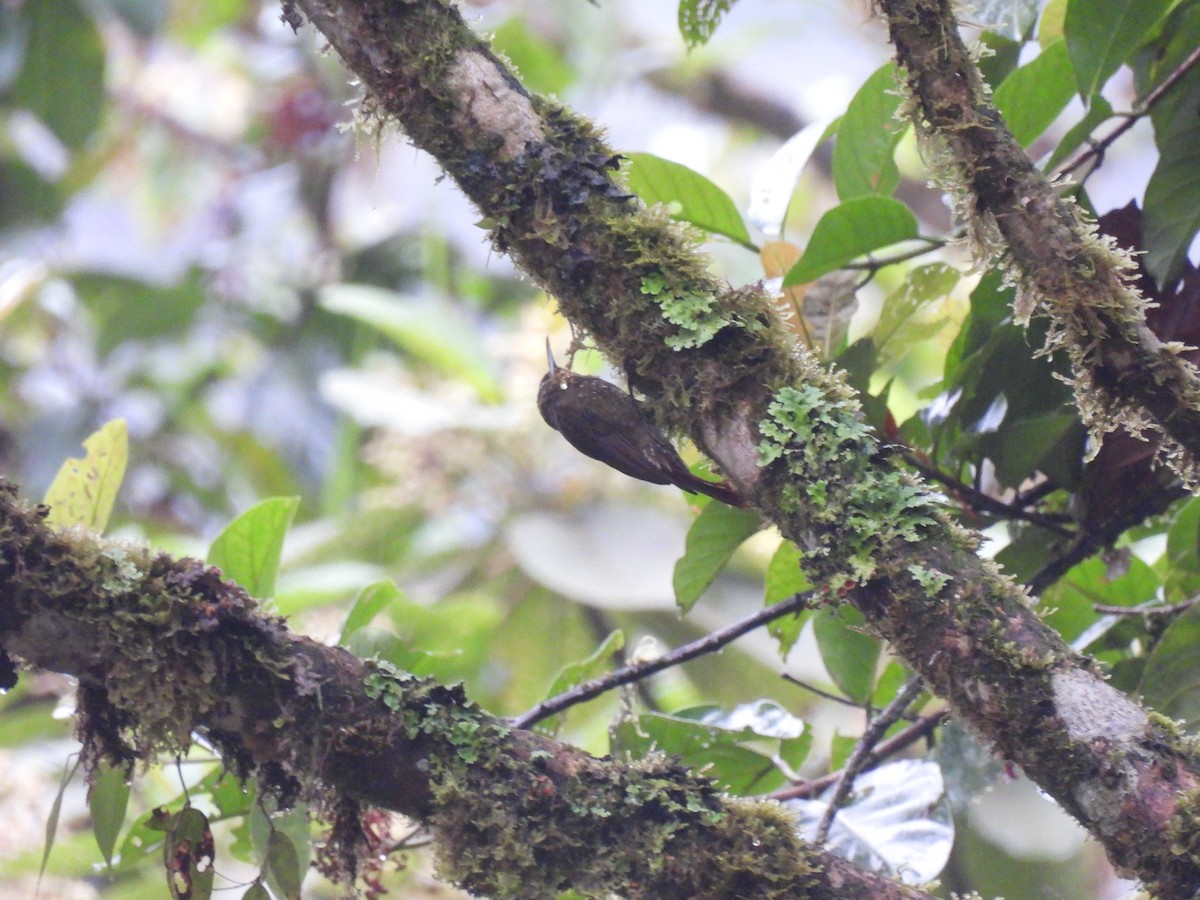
107, 801
850, 230
716, 533
687, 194
1069, 602
249, 549
785, 579
849, 654
428, 330
1171, 680
1171, 210
84, 491
370, 602
283, 841
1102, 34
1183, 552
579, 671
863, 157
906, 317
189, 855
726, 746
62, 78
1033, 96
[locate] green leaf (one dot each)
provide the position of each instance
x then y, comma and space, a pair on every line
1171, 680
1050, 26
1012, 18
84, 490
905, 316
449, 640
575, 673
431, 332
1102, 34
283, 843
62, 78
698, 19
716, 533
785, 579
26, 198
1023, 444
370, 602
1069, 601
145, 17
850, 230
541, 65
863, 157
1033, 96
107, 801
283, 864
126, 309
249, 548
849, 654
1171, 209
1098, 111
725, 745
189, 855
55, 810
999, 57
1183, 552
688, 195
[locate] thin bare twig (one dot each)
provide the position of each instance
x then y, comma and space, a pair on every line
1140, 110
897, 742
1147, 611
626, 674
873, 265
862, 751
979, 501
813, 689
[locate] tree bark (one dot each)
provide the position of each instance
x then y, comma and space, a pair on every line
164, 649
715, 362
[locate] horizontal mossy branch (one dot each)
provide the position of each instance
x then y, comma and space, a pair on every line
164, 649
786, 431
1123, 373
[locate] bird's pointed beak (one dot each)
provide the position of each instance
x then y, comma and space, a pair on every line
550, 358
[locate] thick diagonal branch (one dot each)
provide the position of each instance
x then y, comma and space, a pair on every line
1124, 375
164, 649
718, 364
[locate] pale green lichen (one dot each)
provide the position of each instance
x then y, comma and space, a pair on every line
930, 579
697, 316
853, 505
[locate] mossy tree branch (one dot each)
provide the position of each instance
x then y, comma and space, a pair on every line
717, 363
164, 649
1124, 375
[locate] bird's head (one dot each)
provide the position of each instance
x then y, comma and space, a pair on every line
555, 382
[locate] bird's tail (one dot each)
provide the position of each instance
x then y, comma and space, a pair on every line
718, 490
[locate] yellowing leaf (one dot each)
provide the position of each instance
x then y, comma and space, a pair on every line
85, 489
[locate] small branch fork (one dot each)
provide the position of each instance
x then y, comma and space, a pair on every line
1140, 110
710, 643
863, 750
980, 501
920, 728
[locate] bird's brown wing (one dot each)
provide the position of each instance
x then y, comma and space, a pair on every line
638, 452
